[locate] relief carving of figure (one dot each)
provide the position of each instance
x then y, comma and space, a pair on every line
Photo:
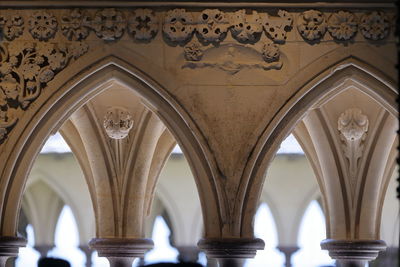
212, 25
246, 27
277, 27
311, 25
13, 26
143, 24
75, 25
42, 25
109, 24
342, 25
178, 25
375, 26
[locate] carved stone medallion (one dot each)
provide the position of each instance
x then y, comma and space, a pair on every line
311, 25
342, 25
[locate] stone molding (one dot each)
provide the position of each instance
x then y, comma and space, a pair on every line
121, 247
9, 245
230, 248
353, 250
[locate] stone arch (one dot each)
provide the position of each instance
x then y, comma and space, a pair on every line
377, 85
67, 92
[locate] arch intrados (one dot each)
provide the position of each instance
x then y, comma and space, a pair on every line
73, 94
376, 85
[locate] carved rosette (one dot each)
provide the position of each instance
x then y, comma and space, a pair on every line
270, 52
75, 25
246, 28
311, 25
212, 25
276, 28
109, 24
42, 25
25, 70
143, 24
375, 26
117, 123
13, 26
342, 25
353, 127
178, 25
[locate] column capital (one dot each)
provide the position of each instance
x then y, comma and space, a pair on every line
353, 250
231, 248
43, 249
121, 247
9, 245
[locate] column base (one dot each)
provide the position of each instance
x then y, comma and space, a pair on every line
353, 251
9, 247
231, 248
121, 252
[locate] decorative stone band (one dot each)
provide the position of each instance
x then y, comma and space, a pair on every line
121, 247
9, 246
231, 248
353, 250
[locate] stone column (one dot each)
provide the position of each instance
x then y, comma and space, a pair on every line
353, 253
121, 252
188, 253
43, 249
88, 254
9, 247
231, 252
288, 252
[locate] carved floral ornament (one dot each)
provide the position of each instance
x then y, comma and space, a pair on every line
180, 25
353, 127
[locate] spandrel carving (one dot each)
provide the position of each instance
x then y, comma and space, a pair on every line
375, 26
212, 25
26, 68
246, 27
342, 25
178, 25
276, 28
143, 24
109, 24
75, 25
12, 25
311, 25
270, 52
42, 25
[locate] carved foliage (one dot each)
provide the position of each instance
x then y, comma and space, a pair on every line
246, 28
109, 24
193, 51
270, 52
178, 25
143, 24
342, 25
311, 25
353, 127
25, 70
375, 25
42, 25
117, 123
13, 26
277, 27
75, 25
212, 25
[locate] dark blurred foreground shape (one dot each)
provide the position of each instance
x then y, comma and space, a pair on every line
51, 262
